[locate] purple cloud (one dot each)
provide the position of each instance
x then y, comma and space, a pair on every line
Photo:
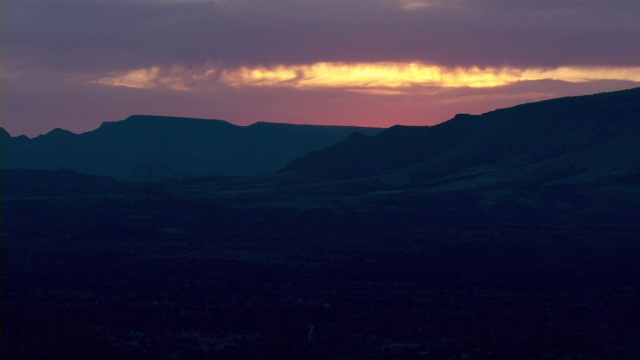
53, 50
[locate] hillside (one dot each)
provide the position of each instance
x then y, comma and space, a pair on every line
580, 142
589, 133
510, 235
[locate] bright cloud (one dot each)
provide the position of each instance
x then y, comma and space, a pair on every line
427, 4
139, 79
174, 78
376, 78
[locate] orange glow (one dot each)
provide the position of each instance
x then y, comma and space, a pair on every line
368, 75
259, 76
386, 78
138, 79
175, 78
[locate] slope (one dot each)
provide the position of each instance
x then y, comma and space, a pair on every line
588, 133
576, 152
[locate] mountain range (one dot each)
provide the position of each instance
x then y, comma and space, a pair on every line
567, 153
155, 148
585, 136
511, 234
537, 154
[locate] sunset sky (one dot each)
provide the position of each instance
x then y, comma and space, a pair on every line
74, 64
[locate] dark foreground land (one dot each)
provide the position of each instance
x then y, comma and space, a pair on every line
145, 272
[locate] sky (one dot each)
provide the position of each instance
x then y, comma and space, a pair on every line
74, 64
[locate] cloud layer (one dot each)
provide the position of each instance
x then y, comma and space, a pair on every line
195, 49
383, 78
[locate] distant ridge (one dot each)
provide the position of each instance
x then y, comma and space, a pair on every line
568, 153
154, 148
586, 132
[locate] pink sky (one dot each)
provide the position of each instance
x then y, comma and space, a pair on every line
75, 64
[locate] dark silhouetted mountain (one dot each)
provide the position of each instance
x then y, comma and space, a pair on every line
4, 135
585, 132
151, 148
7, 141
510, 235
59, 183
581, 142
